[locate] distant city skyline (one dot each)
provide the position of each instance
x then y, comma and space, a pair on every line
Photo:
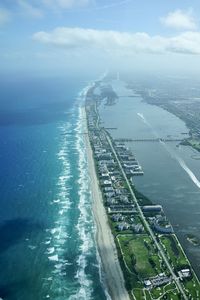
74, 35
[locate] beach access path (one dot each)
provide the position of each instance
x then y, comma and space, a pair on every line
113, 275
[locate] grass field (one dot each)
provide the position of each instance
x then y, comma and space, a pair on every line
137, 252
193, 288
174, 251
178, 259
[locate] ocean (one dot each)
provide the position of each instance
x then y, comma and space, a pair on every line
47, 230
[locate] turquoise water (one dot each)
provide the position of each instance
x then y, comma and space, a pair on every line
47, 231
171, 174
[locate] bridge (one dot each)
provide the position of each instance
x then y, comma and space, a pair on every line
123, 140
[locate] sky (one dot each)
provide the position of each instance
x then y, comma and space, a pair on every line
85, 35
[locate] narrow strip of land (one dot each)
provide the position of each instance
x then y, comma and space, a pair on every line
176, 279
113, 274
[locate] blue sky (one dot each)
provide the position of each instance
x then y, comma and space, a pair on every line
73, 34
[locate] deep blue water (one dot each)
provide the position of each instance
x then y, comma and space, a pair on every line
47, 244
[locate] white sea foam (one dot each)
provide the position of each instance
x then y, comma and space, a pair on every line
32, 247
50, 250
62, 203
56, 201
61, 241
56, 271
63, 273
58, 266
85, 234
53, 257
85, 224
47, 242
48, 279
54, 230
74, 145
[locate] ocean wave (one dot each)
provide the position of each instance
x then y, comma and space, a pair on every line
53, 257
72, 157
84, 232
32, 247
50, 250
57, 235
85, 226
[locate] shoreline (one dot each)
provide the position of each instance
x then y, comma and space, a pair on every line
113, 275
108, 158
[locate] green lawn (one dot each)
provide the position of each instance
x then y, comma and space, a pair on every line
137, 250
159, 293
193, 287
178, 259
138, 293
174, 251
142, 261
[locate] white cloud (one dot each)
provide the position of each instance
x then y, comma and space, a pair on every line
112, 4
30, 10
120, 43
180, 20
66, 4
4, 16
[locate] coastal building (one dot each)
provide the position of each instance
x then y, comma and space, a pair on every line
104, 175
108, 189
162, 225
109, 194
148, 284
152, 208
137, 173
117, 217
124, 199
138, 228
106, 183
123, 226
184, 273
163, 229
157, 281
123, 209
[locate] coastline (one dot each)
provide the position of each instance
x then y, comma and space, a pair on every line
113, 275
146, 275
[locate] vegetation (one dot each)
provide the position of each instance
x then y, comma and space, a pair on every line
142, 200
193, 142
139, 255
174, 251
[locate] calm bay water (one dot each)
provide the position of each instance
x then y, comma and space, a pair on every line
47, 232
171, 174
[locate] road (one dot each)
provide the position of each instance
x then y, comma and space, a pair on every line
175, 278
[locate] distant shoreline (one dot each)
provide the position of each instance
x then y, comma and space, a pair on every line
113, 278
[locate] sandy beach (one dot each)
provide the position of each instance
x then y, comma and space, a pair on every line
113, 274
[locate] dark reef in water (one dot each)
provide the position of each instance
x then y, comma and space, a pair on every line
12, 231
